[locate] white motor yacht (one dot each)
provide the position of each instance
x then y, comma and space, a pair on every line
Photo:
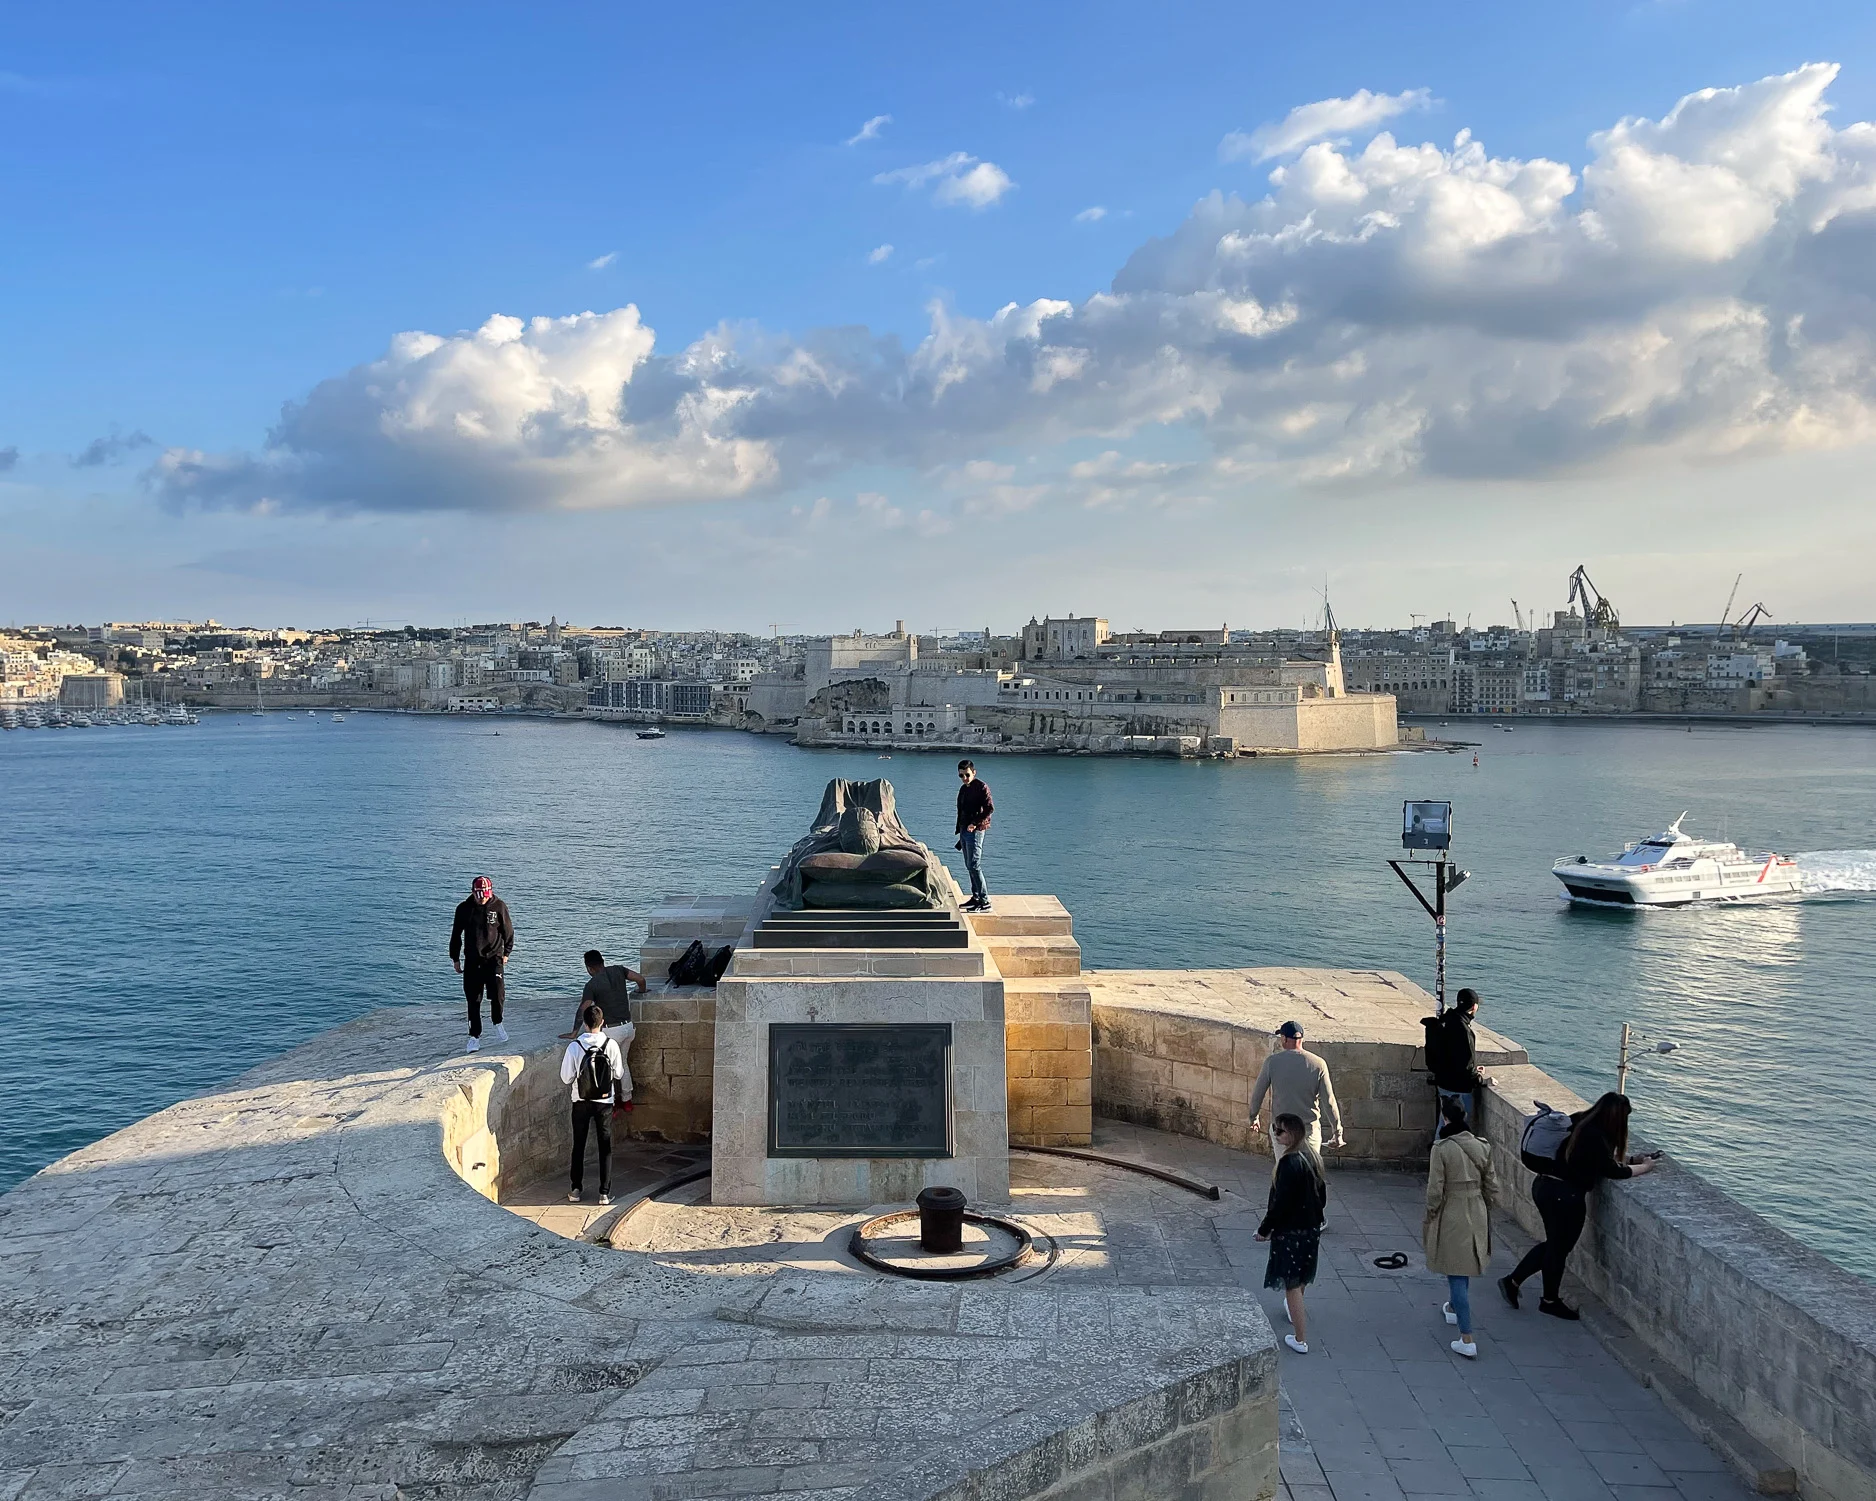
1674, 869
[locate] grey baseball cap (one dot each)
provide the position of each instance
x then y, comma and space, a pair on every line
1291, 1029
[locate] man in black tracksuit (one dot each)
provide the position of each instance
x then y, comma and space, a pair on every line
480, 942
1453, 1053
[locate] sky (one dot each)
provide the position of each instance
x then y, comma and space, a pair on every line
810, 318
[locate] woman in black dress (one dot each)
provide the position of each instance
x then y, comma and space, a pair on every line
1293, 1223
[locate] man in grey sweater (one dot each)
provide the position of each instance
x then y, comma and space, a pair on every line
1297, 1083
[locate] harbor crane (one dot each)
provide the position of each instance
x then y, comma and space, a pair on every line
1729, 602
1597, 610
1748, 618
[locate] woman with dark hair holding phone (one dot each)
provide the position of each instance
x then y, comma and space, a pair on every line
1293, 1222
1595, 1149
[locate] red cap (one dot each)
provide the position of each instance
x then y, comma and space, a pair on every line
481, 883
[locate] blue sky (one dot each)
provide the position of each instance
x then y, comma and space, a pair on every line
212, 210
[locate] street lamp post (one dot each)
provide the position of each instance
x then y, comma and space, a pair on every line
1629, 1037
1428, 827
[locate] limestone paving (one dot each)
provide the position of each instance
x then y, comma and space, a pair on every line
1380, 1407
284, 1289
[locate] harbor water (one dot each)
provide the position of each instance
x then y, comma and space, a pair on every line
183, 903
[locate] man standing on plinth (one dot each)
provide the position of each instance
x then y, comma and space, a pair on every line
480, 941
974, 810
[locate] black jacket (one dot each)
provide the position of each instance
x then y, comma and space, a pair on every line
1588, 1158
483, 934
974, 805
1297, 1197
1452, 1051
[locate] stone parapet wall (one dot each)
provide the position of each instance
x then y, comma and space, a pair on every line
1179, 1050
1209, 1437
1780, 1340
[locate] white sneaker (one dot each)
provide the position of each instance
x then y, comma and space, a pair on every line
1296, 1344
474, 1045
501, 1032
1447, 1309
1466, 1348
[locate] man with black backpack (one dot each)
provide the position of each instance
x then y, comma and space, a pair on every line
593, 1066
1453, 1055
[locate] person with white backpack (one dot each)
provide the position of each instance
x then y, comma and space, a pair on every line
594, 1068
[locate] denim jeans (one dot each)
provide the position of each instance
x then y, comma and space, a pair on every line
974, 862
1459, 1294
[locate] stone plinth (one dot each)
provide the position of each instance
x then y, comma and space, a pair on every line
765, 987
1050, 1050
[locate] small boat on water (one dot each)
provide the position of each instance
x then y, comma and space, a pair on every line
338, 719
1675, 869
654, 733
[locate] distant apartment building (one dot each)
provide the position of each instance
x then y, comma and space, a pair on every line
1420, 679
464, 703
652, 696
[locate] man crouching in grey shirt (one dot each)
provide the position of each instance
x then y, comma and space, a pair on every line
1296, 1082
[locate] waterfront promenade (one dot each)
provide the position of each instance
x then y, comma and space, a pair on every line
283, 1289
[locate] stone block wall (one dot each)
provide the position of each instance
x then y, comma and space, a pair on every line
1779, 1339
1048, 1041
672, 1062
1050, 1058
1193, 1075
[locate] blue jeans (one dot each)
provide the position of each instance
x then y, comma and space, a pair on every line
974, 862
1459, 1294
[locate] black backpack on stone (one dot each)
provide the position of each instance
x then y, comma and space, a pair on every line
596, 1081
719, 961
688, 968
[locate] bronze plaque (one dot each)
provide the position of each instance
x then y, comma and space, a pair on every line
860, 1089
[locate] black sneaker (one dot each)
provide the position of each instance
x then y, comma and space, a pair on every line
1509, 1289
1557, 1308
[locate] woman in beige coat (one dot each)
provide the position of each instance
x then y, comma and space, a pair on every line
1458, 1230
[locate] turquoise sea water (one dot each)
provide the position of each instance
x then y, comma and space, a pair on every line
181, 903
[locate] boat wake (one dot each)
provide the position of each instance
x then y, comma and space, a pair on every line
1826, 871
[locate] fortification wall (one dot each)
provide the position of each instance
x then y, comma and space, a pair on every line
1762, 1345
1778, 1339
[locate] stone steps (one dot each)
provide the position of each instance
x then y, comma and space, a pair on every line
1022, 917
1021, 958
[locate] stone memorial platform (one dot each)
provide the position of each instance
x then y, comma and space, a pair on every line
298, 1286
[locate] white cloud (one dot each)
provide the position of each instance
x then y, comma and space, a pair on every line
600, 262
1326, 119
878, 255
958, 180
869, 131
1016, 101
1704, 285
1092, 215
